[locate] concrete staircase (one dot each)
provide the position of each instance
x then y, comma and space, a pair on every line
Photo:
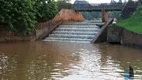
75, 32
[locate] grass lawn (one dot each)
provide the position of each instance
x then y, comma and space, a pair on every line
134, 23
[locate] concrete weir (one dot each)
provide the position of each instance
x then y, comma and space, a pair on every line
80, 32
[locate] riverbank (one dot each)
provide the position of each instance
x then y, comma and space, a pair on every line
42, 30
6, 36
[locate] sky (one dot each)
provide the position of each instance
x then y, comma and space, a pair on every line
97, 1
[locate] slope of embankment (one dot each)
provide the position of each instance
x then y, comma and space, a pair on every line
69, 15
134, 23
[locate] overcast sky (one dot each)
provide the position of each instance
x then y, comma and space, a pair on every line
95, 1
98, 1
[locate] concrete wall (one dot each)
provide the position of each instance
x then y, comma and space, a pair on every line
131, 38
44, 29
123, 36
101, 36
114, 34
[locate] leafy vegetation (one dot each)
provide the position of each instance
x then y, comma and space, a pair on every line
65, 1
64, 4
20, 16
46, 9
134, 23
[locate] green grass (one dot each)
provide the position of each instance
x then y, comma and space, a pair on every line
134, 23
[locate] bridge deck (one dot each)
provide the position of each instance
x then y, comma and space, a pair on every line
98, 7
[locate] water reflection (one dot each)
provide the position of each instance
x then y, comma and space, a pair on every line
67, 61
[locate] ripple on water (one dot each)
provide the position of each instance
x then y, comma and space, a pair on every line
67, 61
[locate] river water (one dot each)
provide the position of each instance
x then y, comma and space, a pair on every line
67, 61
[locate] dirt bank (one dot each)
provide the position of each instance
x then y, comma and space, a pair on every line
6, 36
69, 15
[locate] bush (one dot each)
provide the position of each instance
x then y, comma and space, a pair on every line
20, 16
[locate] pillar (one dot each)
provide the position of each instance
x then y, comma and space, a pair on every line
105, 16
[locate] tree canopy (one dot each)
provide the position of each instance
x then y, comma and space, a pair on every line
20, 16
64, 4
66, 1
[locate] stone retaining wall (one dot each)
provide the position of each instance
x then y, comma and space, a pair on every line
120, 35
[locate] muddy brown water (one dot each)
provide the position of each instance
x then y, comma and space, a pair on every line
67, 61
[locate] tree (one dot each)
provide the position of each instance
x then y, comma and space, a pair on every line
64, 4
20, 16
47, 9
66, 1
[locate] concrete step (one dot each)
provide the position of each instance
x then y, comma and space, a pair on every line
78, 26
72, 36
75, 32
77, 29
67, 39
